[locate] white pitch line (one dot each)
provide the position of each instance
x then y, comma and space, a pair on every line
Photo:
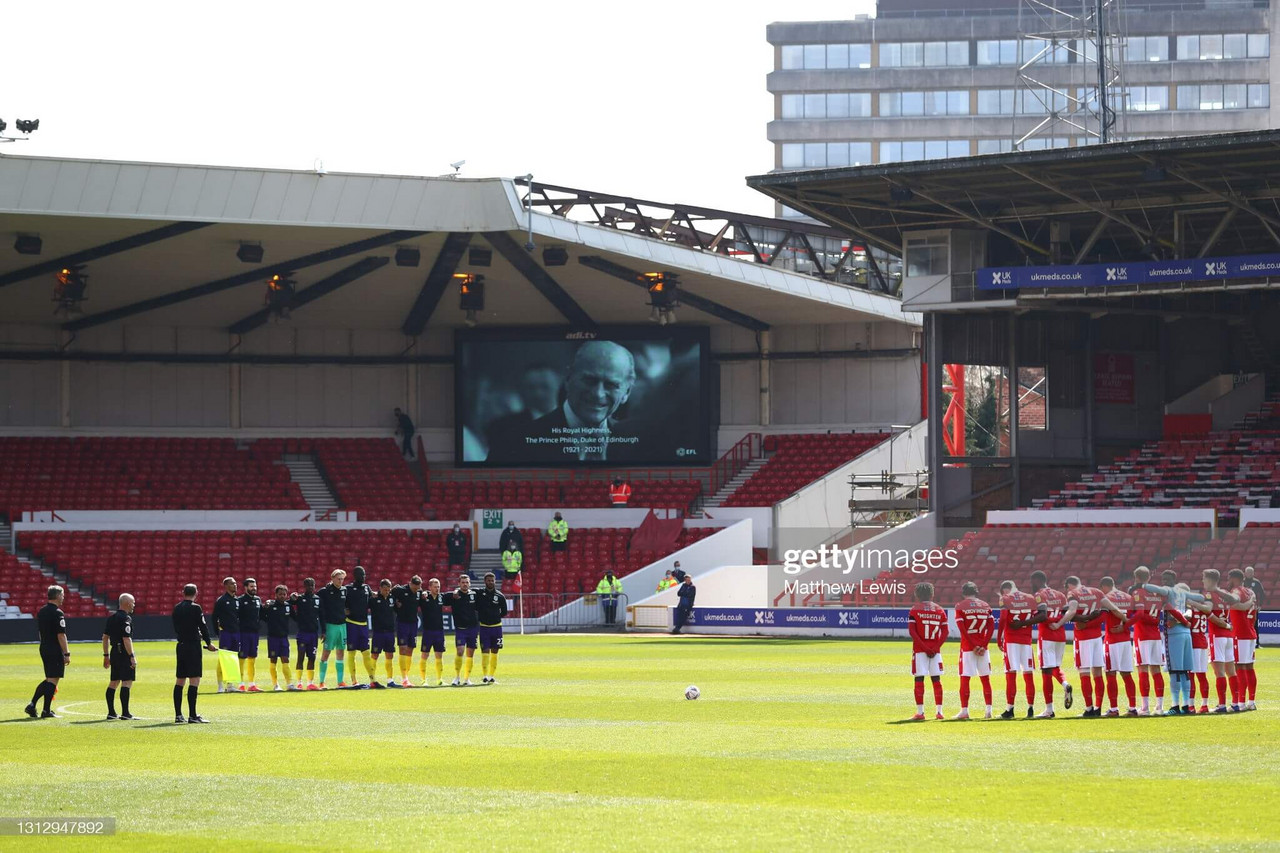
63, 709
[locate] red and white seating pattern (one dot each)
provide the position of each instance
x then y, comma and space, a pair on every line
1257, 545
27, 590
797, 461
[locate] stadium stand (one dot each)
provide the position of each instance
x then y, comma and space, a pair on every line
101, 473
996, 553
1257, 544
369, 476
24, 590
1221, 470
797, 460
453, 498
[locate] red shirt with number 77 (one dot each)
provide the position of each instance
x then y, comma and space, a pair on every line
927, 624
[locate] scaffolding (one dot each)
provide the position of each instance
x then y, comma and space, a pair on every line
1070, 72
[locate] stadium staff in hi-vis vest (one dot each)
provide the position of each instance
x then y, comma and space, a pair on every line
558, 532
512, 561
609, 589
619, 492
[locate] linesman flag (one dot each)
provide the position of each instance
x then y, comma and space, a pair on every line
230, 663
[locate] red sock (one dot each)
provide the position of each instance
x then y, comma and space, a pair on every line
937, 692
1221, 684
1029, 679
1010, 687
964, 692
1253, 683
1234, 681
1058, 677
1158, 678
1098, 688
1203, 678
1113, 688
986, 688
1130, 690
1144, 684
1086, 687
1046, 679
919, 691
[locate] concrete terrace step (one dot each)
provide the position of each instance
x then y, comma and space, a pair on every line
315, 491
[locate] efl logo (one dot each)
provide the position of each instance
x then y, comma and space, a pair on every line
1215, 268
764, 617
1002, 278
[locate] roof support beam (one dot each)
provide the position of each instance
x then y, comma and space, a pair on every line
446, 264
258, 274
321, 288
1227, 215
115, 247
540, 279
1143, 233
1270, 223
979, 220
1087, 246
701, 303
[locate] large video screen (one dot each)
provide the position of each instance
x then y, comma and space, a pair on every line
615, 396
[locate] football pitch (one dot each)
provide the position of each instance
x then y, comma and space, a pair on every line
587, 742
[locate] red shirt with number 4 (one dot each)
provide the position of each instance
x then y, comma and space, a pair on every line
927, 624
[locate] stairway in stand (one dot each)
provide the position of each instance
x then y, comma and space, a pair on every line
315, 491
732, 486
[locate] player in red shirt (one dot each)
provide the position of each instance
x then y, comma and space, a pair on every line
1085, 606
1148, 641
1052, 641
974, 620
1244, 628
1014, 638
927, 624
1222, 646
1118, 648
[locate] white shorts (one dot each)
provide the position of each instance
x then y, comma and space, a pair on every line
1120, 657
1151, 652
1051, 652
1018, 657
922, 664
1199, 660
972, 663
1090, 653
1223, 649
1244, 650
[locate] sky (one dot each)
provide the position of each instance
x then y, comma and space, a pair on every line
659, 100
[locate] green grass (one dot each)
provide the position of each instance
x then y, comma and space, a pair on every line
588, 743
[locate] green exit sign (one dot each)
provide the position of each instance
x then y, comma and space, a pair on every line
492, 519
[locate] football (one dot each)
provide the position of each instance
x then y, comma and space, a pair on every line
692, 692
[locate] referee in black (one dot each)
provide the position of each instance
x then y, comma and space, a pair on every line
54, 652
190, 628
117, 656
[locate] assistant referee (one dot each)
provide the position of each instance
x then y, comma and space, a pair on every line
54, 652
190, 628
117, 656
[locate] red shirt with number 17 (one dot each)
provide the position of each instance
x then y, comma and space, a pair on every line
927, 624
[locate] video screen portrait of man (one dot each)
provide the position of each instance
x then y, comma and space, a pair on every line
604, 401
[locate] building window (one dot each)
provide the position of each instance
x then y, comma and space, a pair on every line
837, 154
922, 149
1259, 45
792, 57
859, 104
995, 146
818, 56
927, 256
792, 106
905, 54
893, 104
998, 52
943, 53
837, 56
1044, 51
793, 155
815, 155
1147, 49
1148, 98
1228, 46
1188, 47
995, 102
837, 105
815, 106
1235, 46
859, 153
815, 56
1233, 96
1040, 143
1259, 95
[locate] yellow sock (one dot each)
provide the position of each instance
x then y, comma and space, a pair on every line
311, 676
370, 666
390, 674
471, 661
493, 664
253, 669
288, 672
484, 664
457, 666
422, 666
275, 680
439, 670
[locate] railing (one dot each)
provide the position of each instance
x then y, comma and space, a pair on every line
735, 459
570, 611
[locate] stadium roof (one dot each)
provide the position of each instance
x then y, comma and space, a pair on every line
160, 246
1175, 197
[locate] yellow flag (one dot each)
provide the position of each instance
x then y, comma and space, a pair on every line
230, 665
